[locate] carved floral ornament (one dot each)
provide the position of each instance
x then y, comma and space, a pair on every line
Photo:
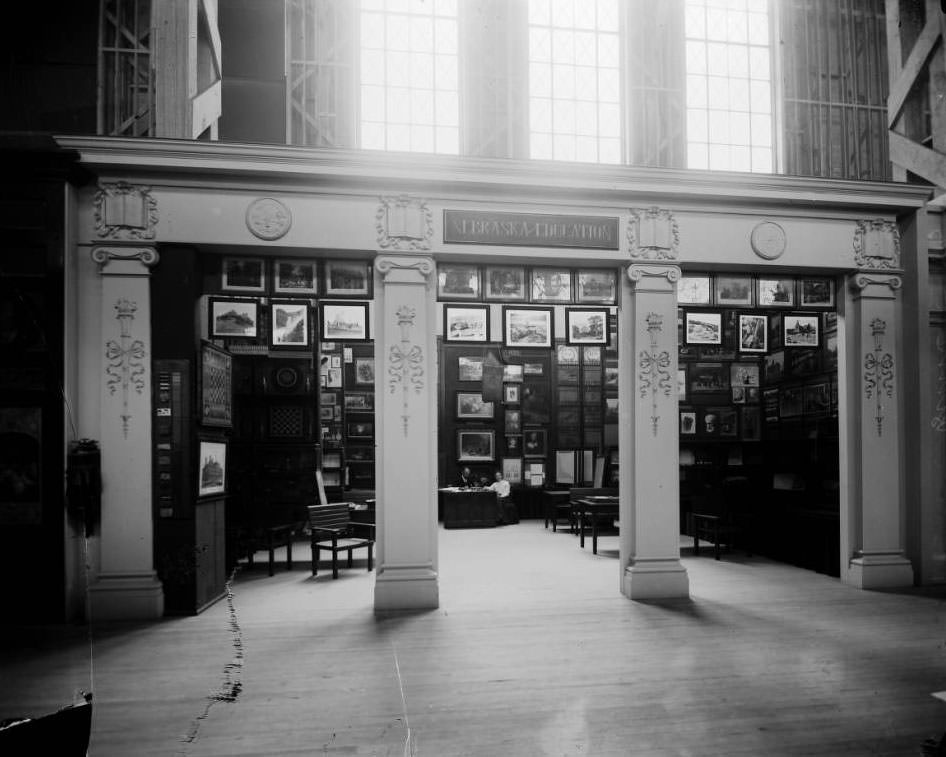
125, 368
878, 372
404, 223
877, 245
653, 234
406, 363
654, 368
124, 211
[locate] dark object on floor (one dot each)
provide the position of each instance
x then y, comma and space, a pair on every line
64, 733
933, 748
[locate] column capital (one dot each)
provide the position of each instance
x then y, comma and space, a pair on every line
405, 269
653, 277
125, 261
877, 285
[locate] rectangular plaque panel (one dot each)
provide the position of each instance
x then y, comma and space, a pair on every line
530, 229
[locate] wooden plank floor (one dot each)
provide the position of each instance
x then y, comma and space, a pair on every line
532, 652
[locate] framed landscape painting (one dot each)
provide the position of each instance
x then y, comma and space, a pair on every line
289, 325
470, 405
294, 277
476, 446
347, 278
212, 468
344, 321
458, 282
597, 287
506, 283
244, 274
704, 328
801, 330
528, 327
466, 323
233, 318
776, 293
733, 290
586, 325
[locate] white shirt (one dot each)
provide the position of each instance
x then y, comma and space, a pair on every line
501, 487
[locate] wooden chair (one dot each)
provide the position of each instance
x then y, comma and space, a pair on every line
333, 531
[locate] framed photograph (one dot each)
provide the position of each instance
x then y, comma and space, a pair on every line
733, 290
534, 442
551, 285
344, 321
817, 399
512, 469
506, 283
233, 318
243, 274
801, 330
597, 287
295, 277
533, 369
471, 405
475, 446
364, 371
327, 413
328, 398
687, 423
359, 401
744, 374
694, 289
216, 386
469, 368
682, 384
511, 394
535, 473
704, 328
567, 418
804, 361
466, 323
360, 430
513, 372
289, 325
512, 421
513, 443
347, 278
708, 377
458, 282
586, 325
817, 293
750, 423
528, 327
211, 468
776, 293
753, 333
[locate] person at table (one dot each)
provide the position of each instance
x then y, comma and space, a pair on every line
466, 478
507, 510
500, 486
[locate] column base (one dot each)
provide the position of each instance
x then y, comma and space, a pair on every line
406, 588
126, 596
884, 571
656, 579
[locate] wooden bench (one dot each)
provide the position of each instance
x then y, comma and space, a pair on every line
333, 531
269, 538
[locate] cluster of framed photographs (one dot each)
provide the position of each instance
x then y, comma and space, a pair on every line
527, 326
752, 330
521, 284
730, 290
288, 325
302, 277
722, 422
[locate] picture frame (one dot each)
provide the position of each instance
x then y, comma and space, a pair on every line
216, 386
533, 369
513, 372
528, 326
728, 422
551, 285
232, 318
469, 368
360, 429
704, 327
289, 325
347, 278
610, 409
682, 383
707, 378
801, 330
327, 413
753, 333
511, 394
505, 283
775, 293
344, 321
567, 355
364, 371
591, 355
331, 478
596, 287
328, 398
770, 405
694, 289
513, 443
458, 282
816, 293
359, 401
466, 323
534, 475
535, 442
586, 326
733, 290
709, 421
567, 418
512, 469
471, 405
744, 374
211, 468
512, 421
243, 274
476, 445
294, 276
687, 423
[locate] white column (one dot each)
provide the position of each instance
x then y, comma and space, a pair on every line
873, 520
649, 435
126, 586
406, 418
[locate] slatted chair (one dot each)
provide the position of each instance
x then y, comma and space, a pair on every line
333, 531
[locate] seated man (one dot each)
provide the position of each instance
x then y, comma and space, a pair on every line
466, 477
507, 509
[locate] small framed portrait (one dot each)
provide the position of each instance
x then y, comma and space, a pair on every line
347, 278
512, 469
243, 274
511, 394
551, 285
733, 290
776, 293
801, 330
687, 423
513, 372
743, 374
586, 325
708, 377
513, 444
216, 386
597, 287
534, 442
289, 325
528, 326
295, 277
233, 318
471, 405
817, 293
512, 421
506, 283
466, 323
360, 430
694, 289
458, 282
753, 333
469, 368
344, 321
704, 328
364, 371
212, 468
476, 446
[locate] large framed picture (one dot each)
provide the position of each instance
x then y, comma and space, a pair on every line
347, 278
704, 328
233, 318
289, 325
458, 282
211, 468
528, 326
506, 283
344, 321
694, 289
295, 277
597, 287
753, 333
817, 293
476, 445
469, 368
744, 374
733, 290
708, 377
466, 323
535, 442
586, 325
216, 386
472, 405
243, 274
776, 293
801, 330
551, 285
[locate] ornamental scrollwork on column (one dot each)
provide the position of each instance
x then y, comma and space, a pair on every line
877, 244
653, 234
125, 369
938, 421
878, 372
406, 363
124, 211
654, 375
404, 223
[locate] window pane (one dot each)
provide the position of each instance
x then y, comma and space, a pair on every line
697, 155
696, 57
696, 125
695, 21
609, 151
608, 16
540, 44
696, 92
